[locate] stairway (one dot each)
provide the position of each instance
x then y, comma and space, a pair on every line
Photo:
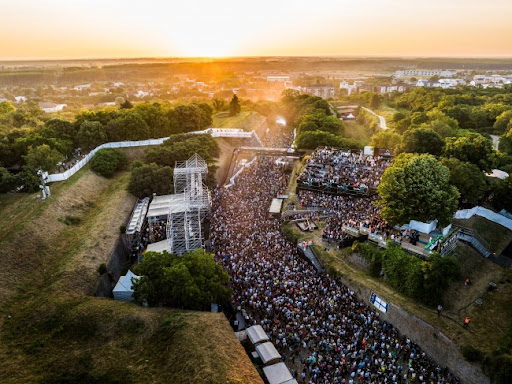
311, 256
475, 240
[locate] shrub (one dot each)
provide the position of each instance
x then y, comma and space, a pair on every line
471, 353
102, 268
107, 161
122, 228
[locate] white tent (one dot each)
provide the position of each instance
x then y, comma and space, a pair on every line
278, 374
267, 352
159, 246
256, 334
123, 290
423, 227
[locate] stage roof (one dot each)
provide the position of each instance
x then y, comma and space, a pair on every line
160, 205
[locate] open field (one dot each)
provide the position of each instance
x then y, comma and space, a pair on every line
247, 120
53, 331
357, 131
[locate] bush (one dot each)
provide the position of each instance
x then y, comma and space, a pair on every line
102, 268
372, 255
147, 179
471, 353
122, 228
107, 161
288, 232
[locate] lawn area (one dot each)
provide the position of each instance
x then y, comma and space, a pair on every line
52, 330
357, 131
247, 120
387, 112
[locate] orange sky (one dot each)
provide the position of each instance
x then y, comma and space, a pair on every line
35, 29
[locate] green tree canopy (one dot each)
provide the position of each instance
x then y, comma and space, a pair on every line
503, 122
417, 187
473, 148
7, 181
147, 179
91, 134
43, 157
234, 106
314, 139
107, 161
191, 281
502, 194
468, 178
386, 139
421, 140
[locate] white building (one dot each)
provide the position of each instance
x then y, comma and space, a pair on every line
425, 72
52, 107
82, 87
277, 79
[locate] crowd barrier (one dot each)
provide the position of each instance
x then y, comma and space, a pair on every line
118, 144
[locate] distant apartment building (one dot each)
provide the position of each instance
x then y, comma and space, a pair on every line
277, 79
388, 88
425, 72
322, 90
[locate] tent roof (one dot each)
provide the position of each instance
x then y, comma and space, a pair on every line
276, 205
138, 216
125, 282
157, 247
267, 352
256, 334
160, 204
278, 373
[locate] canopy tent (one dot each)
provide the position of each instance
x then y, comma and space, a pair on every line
267, 352
159, 207
256, 334
159, 246
275, 207
123, 290
423, 227
278, 374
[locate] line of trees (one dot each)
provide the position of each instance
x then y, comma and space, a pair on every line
31, 141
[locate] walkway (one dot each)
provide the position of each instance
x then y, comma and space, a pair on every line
382, 120
495, 141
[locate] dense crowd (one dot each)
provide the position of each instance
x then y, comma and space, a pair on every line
345, 211
343, 169
323, 331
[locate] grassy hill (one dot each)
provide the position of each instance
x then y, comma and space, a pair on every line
247, 120
52, 330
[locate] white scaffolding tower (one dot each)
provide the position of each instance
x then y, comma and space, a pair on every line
184, 232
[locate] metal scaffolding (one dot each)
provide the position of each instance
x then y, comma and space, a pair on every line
184, 232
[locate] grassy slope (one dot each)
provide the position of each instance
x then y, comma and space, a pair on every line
52, 330
489, 323
247, 120
357, 131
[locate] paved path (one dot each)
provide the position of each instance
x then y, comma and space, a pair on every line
382, 120
495, 141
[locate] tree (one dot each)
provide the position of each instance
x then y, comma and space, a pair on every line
7, 181
126, 105
193, 281
107, 161
417, 187
91, 134
473, 148
421, 140
127, 127
218, 104
503, 123
502, 194
468, 178
505, 143
147, 179
43, 157
234, 106
386, 139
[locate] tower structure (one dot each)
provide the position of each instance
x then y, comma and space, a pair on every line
184, 232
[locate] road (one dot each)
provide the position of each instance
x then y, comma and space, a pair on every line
382, 120
495, 141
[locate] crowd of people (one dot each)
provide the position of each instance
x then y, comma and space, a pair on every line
345, 169
325, 334
345, 211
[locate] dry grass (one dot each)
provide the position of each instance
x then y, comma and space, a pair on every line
247, 120
56, 332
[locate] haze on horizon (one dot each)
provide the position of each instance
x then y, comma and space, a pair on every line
59, 29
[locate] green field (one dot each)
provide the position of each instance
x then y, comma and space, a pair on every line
247, 120
52, 329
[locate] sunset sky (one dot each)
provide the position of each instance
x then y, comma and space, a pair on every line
45, 29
